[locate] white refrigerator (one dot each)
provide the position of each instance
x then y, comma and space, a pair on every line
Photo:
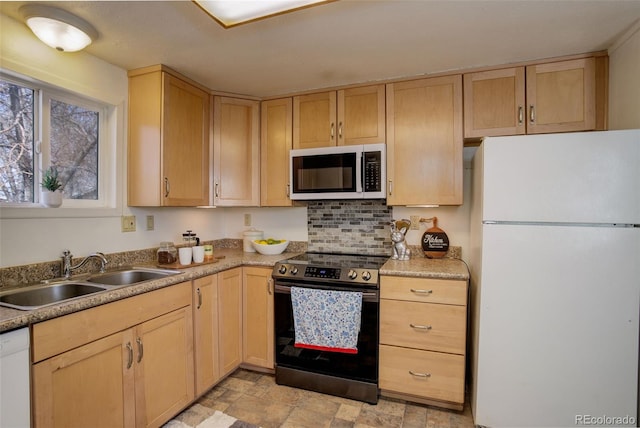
555, 280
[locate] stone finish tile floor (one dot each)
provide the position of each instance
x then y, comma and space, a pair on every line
256, 398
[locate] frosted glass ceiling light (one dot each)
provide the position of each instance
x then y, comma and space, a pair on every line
58, 28
234, 12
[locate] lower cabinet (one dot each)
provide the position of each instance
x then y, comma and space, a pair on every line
423, 340
89, 371
230, 320
257, 315
205, 332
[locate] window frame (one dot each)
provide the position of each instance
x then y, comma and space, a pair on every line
109, 125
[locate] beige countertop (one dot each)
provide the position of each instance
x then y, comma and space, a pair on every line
419, 267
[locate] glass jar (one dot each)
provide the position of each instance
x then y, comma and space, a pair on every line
167, 253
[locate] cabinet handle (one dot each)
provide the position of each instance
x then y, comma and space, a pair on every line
520, 115
167, 187
419, 291
390, 187
420, 327
140, 349
333, 126
216, 191
288, 190
199, 298
269, 285
340, 130
418, 374
130, 351
532, 114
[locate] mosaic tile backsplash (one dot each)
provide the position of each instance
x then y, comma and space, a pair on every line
349, 226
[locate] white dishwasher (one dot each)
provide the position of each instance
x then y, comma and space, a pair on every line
15, 409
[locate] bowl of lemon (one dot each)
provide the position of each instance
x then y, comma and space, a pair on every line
270, 246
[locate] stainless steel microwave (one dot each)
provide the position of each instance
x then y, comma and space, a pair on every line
340, 172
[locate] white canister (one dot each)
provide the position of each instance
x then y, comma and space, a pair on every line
248, 237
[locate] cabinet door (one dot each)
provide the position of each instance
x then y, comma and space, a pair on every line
361, 115
494, 103
185, 144
92, 385
164, 367
424, 141
257, 309
205, 332
230, 320
561, 96
314, 120
276, 129
236, 152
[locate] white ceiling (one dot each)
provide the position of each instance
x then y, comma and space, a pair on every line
347, 41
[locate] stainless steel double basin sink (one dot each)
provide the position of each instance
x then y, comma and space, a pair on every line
37, 296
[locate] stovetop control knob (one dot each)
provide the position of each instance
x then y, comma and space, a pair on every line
366, 275
294, 270
282, 269
352, 274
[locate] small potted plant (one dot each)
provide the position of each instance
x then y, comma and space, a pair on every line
51, 195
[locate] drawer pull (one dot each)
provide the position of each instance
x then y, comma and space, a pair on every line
417, 374
420, 327
419, 291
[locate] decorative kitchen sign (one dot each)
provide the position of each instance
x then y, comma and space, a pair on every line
435, 242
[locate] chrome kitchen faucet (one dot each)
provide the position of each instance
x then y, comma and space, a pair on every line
67, 269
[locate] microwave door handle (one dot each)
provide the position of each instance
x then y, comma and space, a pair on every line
360, 165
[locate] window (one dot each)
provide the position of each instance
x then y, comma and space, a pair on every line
41, 127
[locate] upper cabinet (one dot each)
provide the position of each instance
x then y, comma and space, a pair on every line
344, 117
168, 148
276, 132
563, 96
494, 103
236, 152
424, 141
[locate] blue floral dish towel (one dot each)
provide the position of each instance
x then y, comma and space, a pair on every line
326, 320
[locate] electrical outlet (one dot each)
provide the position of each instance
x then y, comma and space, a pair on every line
150, 224
247, 219
415, 222
128, 223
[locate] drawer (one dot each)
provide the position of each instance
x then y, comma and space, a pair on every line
447, 291
425, 374
435, 327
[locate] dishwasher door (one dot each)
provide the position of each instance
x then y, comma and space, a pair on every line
15, 411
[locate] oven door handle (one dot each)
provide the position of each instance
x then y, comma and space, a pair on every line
284, 289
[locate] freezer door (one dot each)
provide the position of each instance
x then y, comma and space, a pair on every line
558, 325
588, 177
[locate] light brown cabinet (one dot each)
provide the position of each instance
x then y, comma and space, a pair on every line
168, 146
423, 339
230, 320
494, 103
257, 309
126, 363
236, 152
424, 141
205, 333
344, 117
562, 96
276, 128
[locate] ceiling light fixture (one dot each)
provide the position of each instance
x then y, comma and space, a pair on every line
58, 28
230, 13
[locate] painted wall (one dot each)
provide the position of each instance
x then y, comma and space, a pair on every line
624, 81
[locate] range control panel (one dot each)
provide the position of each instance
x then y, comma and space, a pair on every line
327, 274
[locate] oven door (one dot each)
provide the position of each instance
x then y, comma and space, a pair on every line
362, 366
